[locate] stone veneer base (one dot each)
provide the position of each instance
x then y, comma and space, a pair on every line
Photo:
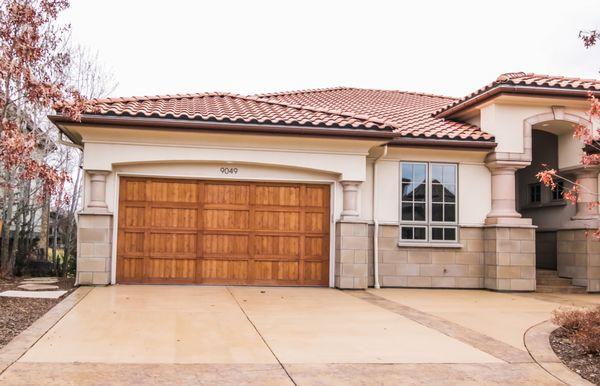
578, 258
351, 245
94, 248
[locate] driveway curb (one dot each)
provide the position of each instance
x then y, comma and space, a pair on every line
19, 345
537, 342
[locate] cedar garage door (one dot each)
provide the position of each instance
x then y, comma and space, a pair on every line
215, 232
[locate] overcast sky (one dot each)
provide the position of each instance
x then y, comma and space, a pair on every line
443, 47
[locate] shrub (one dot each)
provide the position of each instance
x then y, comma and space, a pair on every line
582, 327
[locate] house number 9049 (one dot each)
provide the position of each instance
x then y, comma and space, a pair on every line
229, 170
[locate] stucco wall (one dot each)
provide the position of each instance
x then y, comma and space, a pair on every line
505, 117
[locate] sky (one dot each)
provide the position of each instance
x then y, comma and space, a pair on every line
440, 47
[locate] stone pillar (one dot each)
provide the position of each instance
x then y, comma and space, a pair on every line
588, 194
351, 254
94, 235
509, 246
504, 194
578, 254
350, 209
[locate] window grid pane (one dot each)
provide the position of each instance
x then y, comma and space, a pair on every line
439, 206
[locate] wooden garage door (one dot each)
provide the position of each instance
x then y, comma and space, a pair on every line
215, 232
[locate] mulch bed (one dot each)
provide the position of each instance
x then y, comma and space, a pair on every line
19, 313
586, 365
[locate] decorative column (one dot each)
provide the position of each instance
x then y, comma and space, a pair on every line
94, 234
350, 209
351, 242
588, 194
509, 239
504, 194
97, 191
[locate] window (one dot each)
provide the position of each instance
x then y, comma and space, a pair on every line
557, 192
535, 193
428, 202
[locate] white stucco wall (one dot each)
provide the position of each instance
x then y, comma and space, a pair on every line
505, 120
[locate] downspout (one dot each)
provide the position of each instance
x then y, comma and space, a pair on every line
376, 222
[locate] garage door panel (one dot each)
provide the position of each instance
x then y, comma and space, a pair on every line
315, 247
223, 219
282, 221
133, 243
174, 217
173, 243
233, 194
275, 245
134, 190
174, 191
225, 245
133, 216
274, 195
214, 271
315, 271
315, 222
171, 269
316, 196
269, 271
183, 231
131, 270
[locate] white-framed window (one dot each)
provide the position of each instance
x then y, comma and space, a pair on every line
428, 202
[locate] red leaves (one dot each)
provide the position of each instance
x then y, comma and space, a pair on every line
546, 177
33, 68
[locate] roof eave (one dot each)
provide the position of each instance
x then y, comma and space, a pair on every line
240, 127
512, 89
463, 144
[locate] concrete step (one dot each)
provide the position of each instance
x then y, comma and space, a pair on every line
554, 280
546, 273
571, 289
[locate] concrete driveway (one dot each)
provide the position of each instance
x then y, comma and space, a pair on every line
241, 335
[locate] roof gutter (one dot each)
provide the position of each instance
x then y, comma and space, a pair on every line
446, 143
224, 126
501, 89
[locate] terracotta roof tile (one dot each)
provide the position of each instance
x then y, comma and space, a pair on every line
531, 80
409, 113
232, 108
406, 113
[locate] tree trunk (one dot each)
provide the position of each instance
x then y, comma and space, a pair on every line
71, 217
7, 214
15, 246
55, 243
43, 243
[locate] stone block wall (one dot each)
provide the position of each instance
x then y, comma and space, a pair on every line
429, 267
94, 248
578, 258
351, 245
510, 258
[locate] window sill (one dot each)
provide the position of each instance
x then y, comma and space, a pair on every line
429, 245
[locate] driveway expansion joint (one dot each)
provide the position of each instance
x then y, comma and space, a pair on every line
261, 337
473, 338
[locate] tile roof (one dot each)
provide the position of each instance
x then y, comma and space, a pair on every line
223, 107
407, 114
530, 80
410, 113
